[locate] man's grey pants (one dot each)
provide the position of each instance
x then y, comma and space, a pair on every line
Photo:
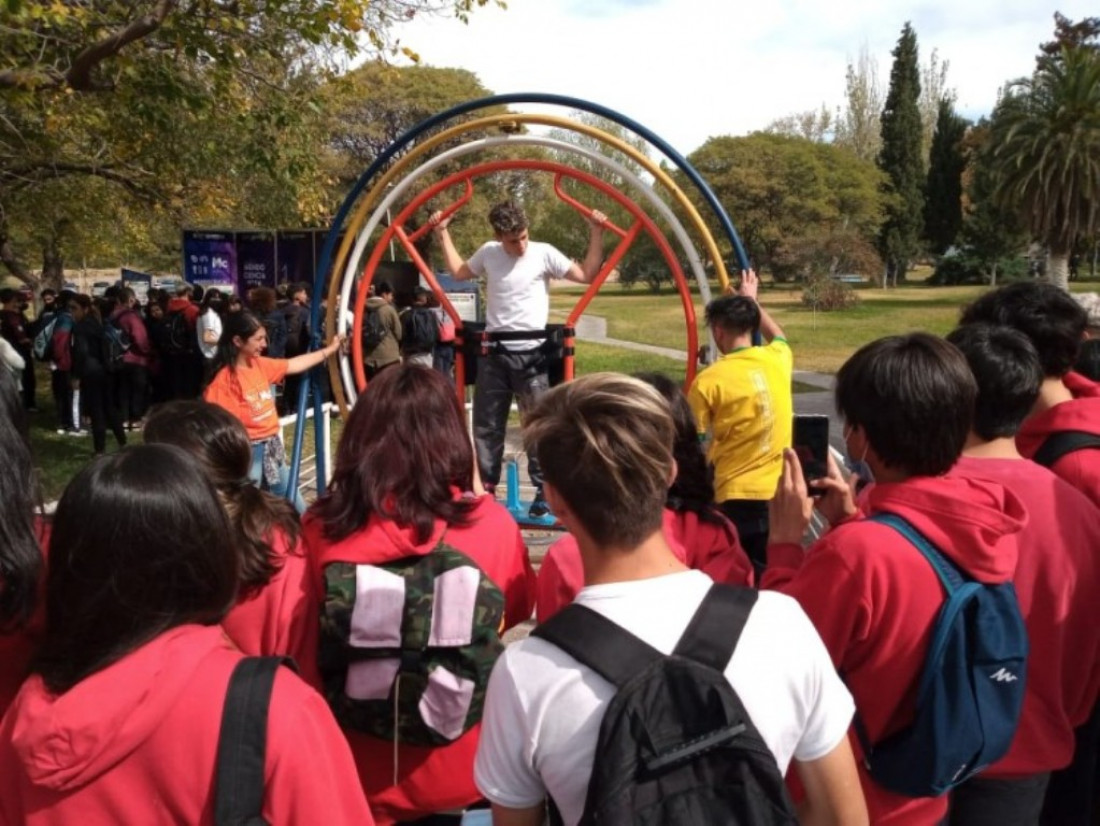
501, 374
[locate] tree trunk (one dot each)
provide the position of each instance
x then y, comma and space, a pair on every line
993, 275
14, 265
53, 265
1058, 268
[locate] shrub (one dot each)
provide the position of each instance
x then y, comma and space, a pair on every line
826, 294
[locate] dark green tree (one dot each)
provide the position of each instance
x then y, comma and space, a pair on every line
990, 233
1046, 144
900, 159
943, 194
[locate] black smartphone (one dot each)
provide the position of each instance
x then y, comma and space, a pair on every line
811, 444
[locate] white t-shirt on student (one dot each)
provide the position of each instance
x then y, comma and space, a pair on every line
518, 289
543, 709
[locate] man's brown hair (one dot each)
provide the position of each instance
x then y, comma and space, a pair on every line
604, 442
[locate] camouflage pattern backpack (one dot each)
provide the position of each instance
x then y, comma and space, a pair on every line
407, 646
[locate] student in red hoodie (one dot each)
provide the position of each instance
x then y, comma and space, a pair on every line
1055, 323
402, 482
907, 403
274, 612
1057, 583
699, 534
120, 719
21, 566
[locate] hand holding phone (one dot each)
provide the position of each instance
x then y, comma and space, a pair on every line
811, 445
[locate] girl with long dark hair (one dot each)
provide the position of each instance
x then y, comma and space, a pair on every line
697, 531
20, 553
243, 378
120, 719
400, 491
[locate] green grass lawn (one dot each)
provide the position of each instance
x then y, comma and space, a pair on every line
820, 341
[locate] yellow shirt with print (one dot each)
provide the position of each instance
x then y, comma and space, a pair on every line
744, 401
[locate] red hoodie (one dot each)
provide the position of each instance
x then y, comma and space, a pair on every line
1058, 586
281, 618
711, 547
874, 599
189, 308
429, 779
137, 742
1080, 468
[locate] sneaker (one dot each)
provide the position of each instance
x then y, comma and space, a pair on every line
76, 431
539, 508
61, 431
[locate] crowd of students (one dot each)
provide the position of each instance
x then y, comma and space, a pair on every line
123, 622
111, 358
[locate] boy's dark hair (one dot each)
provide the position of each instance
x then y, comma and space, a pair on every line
1007, 370
737, 314
913, 397
6, 295
693, 487
507, 218
383, 288
1043, 312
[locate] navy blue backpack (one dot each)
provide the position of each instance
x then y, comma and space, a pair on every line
971, 689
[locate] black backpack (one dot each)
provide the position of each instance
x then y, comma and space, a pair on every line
242, 743
1063, 442
116, 344
421, 332
676, 745
297, 342
181, 336
374, 331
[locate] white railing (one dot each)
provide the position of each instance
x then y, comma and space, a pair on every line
307, 470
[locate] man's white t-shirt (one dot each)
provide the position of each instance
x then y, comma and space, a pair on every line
543, 709
518, 288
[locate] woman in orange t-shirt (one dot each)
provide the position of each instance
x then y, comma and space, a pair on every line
242, 384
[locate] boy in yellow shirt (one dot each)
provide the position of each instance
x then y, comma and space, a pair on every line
743, 402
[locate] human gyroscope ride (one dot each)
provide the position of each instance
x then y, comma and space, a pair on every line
391, 195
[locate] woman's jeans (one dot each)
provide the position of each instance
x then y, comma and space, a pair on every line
256, 475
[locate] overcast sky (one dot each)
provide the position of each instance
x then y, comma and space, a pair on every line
691, 69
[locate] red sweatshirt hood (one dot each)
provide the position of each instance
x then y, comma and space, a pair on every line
973, 522
387, 540
1083, 413
68, 740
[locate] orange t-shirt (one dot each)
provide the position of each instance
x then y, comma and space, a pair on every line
246, 393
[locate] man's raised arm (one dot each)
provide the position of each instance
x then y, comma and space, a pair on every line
454, 262
750, 285
584, 272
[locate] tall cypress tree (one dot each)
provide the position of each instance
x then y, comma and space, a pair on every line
943, 195
900, 159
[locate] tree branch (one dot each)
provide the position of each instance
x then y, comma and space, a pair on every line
79, 76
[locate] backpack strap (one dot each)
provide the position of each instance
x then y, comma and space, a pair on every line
1060, 443
949, 573
595, 641
242, 741
712, 635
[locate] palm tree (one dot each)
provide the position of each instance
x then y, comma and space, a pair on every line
1046, 149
